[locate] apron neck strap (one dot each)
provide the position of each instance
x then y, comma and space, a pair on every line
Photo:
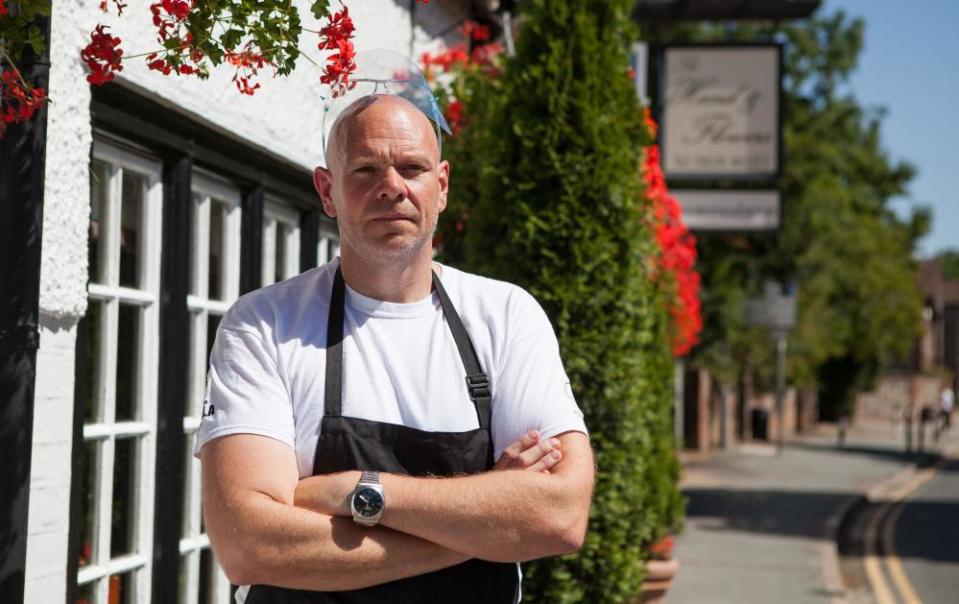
333, 395
477, 383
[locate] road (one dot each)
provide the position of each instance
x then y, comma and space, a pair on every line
901, 543
760, 526
927, 537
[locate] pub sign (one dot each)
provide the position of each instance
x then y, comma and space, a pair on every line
721, 111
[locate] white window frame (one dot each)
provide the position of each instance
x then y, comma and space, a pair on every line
105, 429
274, 214
207, 189
328, 234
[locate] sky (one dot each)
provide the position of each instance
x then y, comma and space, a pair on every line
910, 66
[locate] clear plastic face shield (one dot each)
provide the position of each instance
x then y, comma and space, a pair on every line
384, 72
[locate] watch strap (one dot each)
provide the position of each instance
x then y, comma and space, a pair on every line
370, 477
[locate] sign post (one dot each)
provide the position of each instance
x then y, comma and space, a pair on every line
781, 340
776, 310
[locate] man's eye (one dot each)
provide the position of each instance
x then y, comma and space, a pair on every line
365, 170
413, 168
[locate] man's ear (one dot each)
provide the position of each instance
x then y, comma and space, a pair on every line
323, 182
444, 180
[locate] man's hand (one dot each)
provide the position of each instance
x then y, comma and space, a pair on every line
530, 452
328, 493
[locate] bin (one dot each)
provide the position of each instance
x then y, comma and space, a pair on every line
760, 421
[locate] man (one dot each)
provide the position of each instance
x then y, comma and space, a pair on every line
355, 411
947, 402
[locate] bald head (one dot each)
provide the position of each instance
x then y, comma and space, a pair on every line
380, 115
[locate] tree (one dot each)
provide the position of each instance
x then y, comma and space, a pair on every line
560, 210
950, 264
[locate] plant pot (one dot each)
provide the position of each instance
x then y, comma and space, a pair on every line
659, 578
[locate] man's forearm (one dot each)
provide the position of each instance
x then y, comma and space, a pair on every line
498, 516
275, 543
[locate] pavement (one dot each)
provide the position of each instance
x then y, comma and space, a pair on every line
762, 525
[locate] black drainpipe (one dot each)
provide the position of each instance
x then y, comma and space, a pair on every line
22, 159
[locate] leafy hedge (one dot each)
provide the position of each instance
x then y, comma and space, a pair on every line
548, 172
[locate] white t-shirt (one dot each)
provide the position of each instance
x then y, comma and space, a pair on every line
947, 400
401, 365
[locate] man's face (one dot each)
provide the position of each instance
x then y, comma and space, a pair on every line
385, 184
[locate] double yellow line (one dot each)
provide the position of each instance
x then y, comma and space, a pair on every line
873, 562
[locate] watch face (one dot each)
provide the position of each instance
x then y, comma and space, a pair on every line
368, 502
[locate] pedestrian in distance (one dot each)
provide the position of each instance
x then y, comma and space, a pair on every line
386, 428
947, 403
842, 427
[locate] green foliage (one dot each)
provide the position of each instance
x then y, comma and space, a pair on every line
849, 252
479, 93
950, 265
272, 26
17, 29
550, 185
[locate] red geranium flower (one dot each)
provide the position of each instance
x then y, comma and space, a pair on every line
472, 30
454, 115
19, 100
677, 257
340, 65
102, 56
248, 63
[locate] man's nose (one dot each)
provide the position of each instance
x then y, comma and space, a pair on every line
392, 185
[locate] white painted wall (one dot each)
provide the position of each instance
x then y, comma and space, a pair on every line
283, 117
49, 520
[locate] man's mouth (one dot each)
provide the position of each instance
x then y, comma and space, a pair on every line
392, 218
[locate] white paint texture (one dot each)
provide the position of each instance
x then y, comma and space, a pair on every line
66, 203
283, 118
48, 525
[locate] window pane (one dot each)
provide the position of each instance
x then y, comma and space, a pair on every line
89, 366
85, 593
88, 507
328, 245
121, 589
217, 241
134, 189
123, 531
207, 575
128, 337
98, 208
280, 256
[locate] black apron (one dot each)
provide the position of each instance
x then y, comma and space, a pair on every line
348, 443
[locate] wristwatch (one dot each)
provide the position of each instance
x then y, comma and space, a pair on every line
367, 500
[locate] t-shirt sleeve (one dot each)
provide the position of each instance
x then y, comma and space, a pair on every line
532, 391
245, 391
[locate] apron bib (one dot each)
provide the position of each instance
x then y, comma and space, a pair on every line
349, 443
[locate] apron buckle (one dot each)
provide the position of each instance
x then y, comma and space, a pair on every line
478, 385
